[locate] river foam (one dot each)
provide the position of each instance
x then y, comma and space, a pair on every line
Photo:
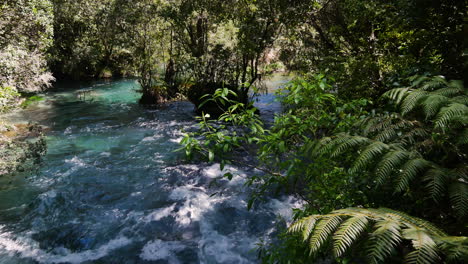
111, 189
28, 248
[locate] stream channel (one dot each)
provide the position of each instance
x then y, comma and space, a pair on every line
111, 189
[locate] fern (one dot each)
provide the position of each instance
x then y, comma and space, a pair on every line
449, 114
409, 171
386, 229
348, 232
435, 96
383, 240
406, 151
459, 197
388, 163
323, 229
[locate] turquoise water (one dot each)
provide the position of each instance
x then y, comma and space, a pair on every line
111, 189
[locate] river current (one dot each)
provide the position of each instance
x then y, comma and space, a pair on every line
111, 189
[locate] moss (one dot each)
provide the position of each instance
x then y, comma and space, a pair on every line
30, 100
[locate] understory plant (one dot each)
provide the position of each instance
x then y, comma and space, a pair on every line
21, 147
408, 154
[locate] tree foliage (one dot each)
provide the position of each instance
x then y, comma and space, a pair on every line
25, 35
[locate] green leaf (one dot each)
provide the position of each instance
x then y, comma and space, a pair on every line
210, 155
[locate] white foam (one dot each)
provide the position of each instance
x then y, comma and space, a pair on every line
215, 171
176, 140
28, 248
152, 138
217, 248
197, 203
160, 213
158, 249
68, 130
284, 207
76, 161
90, 255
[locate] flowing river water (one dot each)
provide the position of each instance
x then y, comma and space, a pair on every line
111, 189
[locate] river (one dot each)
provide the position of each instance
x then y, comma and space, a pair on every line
111, 189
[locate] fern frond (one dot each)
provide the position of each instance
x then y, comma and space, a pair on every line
413, 135
434, 82
457, 84
462, 99
426, 249
324, 228
412, 100
416, 80
388, 163
347, 143
347, 233
324, 146
408, 221
394, 130
308, 227
459, 197
372, 151
455, 248
449, 113
432, 103
300, 224
449, 91
397, 94
409, 171
383, 240
375, 124
388, 231
437, 182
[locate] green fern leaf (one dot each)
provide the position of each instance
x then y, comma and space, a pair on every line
409, 171
371, 152
459, 197
437, 182
426, 250
388, 163
433, 103
347, 233
347, 143
412, 101
397, 94
449, 113
455, 248
308, 227
325, 226
383, 240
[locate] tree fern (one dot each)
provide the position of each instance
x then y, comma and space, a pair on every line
410, 151
385, 232
435, 96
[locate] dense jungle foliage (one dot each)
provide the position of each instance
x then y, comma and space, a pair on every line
376, 117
